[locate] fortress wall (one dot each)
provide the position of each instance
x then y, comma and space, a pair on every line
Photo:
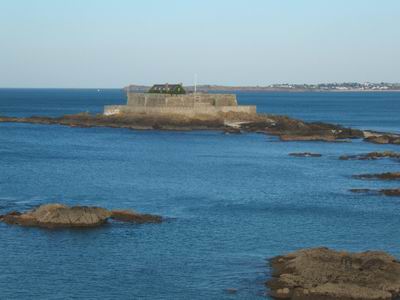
136, 99
181, 101
186, 111
189, 105
162, 100
224, 99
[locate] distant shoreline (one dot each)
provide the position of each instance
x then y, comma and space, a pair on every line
266, 89
142, 89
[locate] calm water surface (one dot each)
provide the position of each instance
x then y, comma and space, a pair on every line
231, 201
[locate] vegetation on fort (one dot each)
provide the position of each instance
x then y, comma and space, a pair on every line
173, 89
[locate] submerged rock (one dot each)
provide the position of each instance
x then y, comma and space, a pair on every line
326, 274
371, 156
134, 217
305, 154
390, 192
62, 216
386, 192
360, 190
231, 291
382, 176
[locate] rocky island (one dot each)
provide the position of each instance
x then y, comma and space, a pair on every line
163, 110
62, 216
324, 274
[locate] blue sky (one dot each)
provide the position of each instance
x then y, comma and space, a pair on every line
103, 43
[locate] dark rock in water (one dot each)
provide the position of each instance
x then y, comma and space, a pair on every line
390, 192
324, 274
282, 126
382, 176
157, 126
231, 291
371, 156
134, 217
305, 154
304, 138
383, 139
360, 190
58, 215
232, 130
62, 216
289, 129
386, 192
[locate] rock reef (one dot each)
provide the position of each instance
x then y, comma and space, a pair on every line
385, 192
62, 216
305, 154
324, 274
384, 139
289, 129
371, 156
286, 128
381, 176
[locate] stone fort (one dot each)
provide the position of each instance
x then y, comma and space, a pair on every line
172, 99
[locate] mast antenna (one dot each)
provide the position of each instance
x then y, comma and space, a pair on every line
195, 83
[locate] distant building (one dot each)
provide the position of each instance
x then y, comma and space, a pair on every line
172, 89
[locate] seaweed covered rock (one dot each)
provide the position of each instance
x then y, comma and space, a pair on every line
62, 216
289, 129
381, 176
385, 192
134, 217
371, 156
326, 274
383, 139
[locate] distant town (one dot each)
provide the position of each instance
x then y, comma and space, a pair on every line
288, 87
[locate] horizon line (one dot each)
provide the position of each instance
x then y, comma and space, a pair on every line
212, 85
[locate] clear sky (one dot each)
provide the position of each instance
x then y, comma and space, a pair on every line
111, 43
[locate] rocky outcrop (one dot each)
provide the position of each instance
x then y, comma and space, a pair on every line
286, 128
390, 192
371, 156
62, 216
324, 274
289, 129
385, 192
382, 176
131, 121
383, 139
134, 217
232, 130
305, 154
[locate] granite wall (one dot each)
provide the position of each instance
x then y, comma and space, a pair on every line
164, 100
189, 105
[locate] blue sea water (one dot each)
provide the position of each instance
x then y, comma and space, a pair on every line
231, 201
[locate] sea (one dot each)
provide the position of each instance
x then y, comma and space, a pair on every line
230, 202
